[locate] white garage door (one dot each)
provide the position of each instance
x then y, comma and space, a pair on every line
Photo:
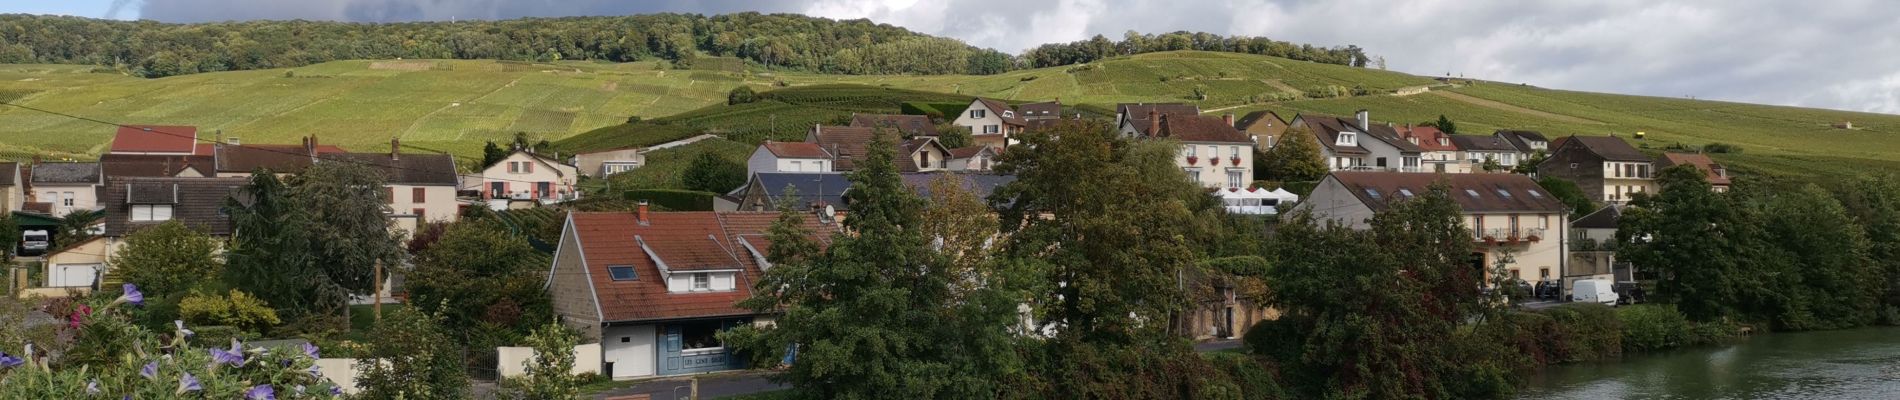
72, 275
630, 349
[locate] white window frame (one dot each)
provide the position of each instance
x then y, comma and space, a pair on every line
1348, 139
700, 282
1235, 180
151, 212
979, 113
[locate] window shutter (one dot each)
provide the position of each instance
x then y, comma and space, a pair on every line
527, 167
389, 195
418, 195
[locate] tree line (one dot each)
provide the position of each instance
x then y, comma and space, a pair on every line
153, 49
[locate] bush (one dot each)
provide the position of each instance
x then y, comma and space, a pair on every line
239, 309
1590, 332
1721, 148
741, 95
1650, 327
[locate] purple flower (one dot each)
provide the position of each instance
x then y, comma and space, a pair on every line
314, 373
336, 390
150, 371
188, 383
7, 361
132, 295
92, 387
310, 350
225, 357
182, 332
261, 392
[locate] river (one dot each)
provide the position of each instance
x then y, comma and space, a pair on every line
1848, 364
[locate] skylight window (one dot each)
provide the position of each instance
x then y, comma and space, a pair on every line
1405, 192
1504, 194
1374, 193
621, 272
1473, 193
1534, 193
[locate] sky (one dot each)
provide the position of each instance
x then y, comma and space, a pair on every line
1841, 54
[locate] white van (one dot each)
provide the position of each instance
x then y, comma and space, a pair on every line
1593, 291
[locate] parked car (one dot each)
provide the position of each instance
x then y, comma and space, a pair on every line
34, 242
1549, 290
1594, 291
1628, 292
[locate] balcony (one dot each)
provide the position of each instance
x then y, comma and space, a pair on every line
1508, 235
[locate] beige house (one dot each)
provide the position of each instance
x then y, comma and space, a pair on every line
66, 186
608, 162
992, 122
1512, 220
419, 188
1213, 153
1605, 167
524, 175
1266, 126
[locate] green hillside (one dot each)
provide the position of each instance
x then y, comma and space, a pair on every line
456, 105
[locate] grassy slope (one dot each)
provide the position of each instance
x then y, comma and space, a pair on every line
359, 104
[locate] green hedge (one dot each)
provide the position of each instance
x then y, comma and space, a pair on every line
674, 200
935, 110
1650, 327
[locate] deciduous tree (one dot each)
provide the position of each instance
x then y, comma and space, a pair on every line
168, 258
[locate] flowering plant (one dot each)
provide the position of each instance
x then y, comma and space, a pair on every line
140, 366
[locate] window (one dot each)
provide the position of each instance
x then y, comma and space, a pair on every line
1009, 114
1233, 151
1270, 141
1642, 171
66, 199
1504, 194
151, 212
1513, 222
989, 129
700, 337
418, 195
1193, 174
1517, 275
1373, 193
702, 281
1534, 193
1347, 139
1406, 192
1234, 179
1629, 170
621, 272
514, 167
1472, 193
1543, 273
1444, 142
418, 212
979, 114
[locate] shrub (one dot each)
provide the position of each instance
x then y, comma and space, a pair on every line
1589, 332
1649, 327
239, 310
1721, 148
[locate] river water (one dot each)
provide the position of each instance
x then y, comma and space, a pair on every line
1849, 364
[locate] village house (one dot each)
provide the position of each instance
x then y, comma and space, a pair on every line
1436, 149
1713, 171
158, 140
655, 288
65, 186
1512, 221
1479, 151
603, 163
1529, 144
1357, 145
1605, 167
230, 160
763, 190
905, 125
1266, 126
1213, 153
974, 158
788, 157
526, 176
133, 203
1141, 111
848, 144
991, 122
417, 188
12, 188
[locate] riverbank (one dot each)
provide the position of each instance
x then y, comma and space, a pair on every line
1861, 363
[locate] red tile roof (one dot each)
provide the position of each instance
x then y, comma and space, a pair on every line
681, 241
157, 139
1194, 128
796, 150
1427, 137
1717, 175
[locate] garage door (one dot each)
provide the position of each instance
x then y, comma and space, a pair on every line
72, 275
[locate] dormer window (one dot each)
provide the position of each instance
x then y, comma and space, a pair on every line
1444, 142
1348, 139
1009, 114
1413, 139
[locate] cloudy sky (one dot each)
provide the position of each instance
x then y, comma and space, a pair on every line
1842, 54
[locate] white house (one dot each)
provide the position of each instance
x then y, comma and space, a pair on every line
788, 157
1478, 150
524, 175
973, 158
1212, 151
419, 188
1511, 219
66, 186
991, 122
1357, 145
602, 163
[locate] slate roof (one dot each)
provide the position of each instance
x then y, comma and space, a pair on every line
1192, 128
1521, 139
1482, 143
1326, 130
1605, 218
1427, 138
130, 165
407, 169
9, 172
1474, 193
55, 173
796, 150
679, 241
197, 202
1047, 109
156, 139
909, 125
980, 185
1701, 162
813, 187
1385, 133
1610, 148
1257, 117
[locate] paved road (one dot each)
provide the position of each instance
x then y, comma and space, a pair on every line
748, 382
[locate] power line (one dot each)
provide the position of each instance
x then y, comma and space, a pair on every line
263, 149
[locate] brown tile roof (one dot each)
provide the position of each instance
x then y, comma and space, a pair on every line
407, 169
1427, 137
156, 139
681, 241
279, 158
129, 165
1474, 193
909, 125
1047, 109
999, 108
1714, 171
1259, 117
967, 152
848, 143
795, 149
1195, 128
1140, 110
1326, 130
1609, 147
1482, 143
198, 202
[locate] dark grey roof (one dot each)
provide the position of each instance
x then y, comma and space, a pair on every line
813, 187
197, 202
407, 169
66, 172
1522, 139
1605, 218
9, 171
1385, 133
979, 184
1482, 143
1609, 147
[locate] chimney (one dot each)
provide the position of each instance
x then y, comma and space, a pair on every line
640, 213
1229, 118
1154, 123
395, 148
1365, 119
220, 137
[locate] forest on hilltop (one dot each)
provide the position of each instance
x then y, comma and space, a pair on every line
153, 49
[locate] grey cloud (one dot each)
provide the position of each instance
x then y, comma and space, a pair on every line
1821, 53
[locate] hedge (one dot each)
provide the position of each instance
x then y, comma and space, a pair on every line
936, 110
674, 200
